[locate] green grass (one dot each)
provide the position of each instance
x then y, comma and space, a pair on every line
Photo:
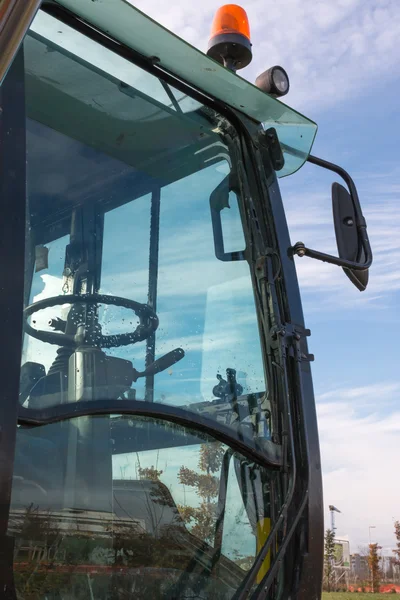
357, 596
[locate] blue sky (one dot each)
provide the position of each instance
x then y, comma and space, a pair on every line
342, 58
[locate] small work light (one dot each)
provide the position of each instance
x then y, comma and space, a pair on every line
274, 81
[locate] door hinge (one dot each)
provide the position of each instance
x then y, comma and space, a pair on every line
289, 337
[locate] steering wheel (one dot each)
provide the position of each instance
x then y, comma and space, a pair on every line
148, 322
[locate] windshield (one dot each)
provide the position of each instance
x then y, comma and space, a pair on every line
136, 245
139, 298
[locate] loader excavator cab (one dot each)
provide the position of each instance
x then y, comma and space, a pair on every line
159, 430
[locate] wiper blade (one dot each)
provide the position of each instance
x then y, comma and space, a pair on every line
262, 451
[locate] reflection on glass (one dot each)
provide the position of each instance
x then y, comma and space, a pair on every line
103, 507
131, 299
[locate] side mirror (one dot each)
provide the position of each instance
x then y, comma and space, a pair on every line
355, 255
344, 218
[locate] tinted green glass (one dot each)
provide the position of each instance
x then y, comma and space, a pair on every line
128, 25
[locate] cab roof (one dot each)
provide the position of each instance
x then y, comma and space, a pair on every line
126, 24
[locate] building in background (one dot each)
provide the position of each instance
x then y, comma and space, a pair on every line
358, 567
391, 569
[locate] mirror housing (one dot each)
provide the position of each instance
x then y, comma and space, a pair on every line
355, 255
344, 219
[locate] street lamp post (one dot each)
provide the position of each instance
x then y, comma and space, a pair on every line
369, 529
370, 569
332, 510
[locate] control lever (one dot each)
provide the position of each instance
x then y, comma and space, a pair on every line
160, 364
228, 390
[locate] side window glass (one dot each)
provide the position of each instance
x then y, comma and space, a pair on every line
205, 305
194, 490
238, 541
155, 507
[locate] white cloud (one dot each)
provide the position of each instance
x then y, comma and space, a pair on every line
365, 395
176, 279
360, 453
310, 220
331, 50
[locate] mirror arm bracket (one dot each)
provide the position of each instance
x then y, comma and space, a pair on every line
301, 250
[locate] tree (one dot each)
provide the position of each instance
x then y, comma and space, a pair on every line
374, 568
151, 473
329, 557
203, 518
37, 542
397, 550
